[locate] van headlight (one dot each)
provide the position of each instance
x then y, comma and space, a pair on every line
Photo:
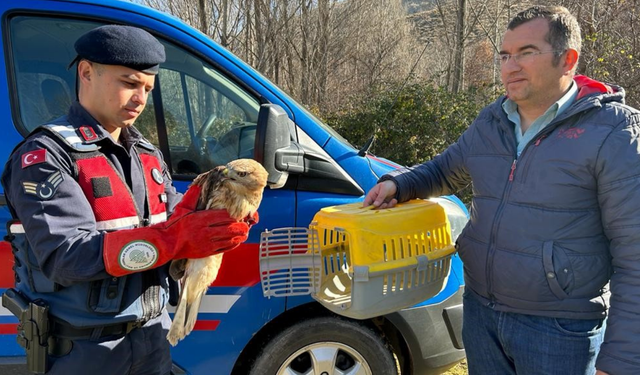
457, 216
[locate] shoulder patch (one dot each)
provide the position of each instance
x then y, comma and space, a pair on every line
88, 133
46, 189
69, 135
33, 157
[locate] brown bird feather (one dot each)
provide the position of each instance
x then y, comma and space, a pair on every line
236, 187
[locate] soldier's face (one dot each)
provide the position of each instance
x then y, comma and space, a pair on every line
116, 95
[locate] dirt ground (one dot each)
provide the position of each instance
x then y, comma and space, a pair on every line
460, 369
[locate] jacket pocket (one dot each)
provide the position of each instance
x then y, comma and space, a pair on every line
105, 296
27, 263
556, 268
474, 261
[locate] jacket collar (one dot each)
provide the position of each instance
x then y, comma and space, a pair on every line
588, 86
79, 117
591, 93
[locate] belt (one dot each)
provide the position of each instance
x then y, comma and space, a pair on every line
65, 330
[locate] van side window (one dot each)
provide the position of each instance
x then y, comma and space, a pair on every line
210, 120
42, 48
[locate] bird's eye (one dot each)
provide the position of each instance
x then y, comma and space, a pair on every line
241, 174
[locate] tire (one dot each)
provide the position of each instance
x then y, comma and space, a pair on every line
326, 346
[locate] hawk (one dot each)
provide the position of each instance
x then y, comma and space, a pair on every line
236, 187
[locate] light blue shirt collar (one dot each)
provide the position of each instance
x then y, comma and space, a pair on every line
511, 109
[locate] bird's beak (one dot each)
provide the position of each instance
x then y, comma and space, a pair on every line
225, 173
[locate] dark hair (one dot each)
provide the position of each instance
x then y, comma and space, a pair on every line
564, 30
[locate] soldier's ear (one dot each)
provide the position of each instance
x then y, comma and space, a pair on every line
85, 71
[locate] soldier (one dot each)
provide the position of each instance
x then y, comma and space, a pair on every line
90, 198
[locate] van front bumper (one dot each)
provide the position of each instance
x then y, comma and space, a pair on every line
433, 334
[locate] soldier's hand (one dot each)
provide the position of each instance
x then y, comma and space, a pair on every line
382, 195
186, 234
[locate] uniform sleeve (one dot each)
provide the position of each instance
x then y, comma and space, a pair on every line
445, 174
57, 218
618, 175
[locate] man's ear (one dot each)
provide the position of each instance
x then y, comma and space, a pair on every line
85, 71
571, 59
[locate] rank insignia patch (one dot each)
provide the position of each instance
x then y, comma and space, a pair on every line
45, 189
88, 133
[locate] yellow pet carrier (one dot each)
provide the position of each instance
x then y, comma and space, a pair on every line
359, 262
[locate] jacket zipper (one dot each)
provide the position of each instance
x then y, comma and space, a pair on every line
577, 111
540, 140
150, 302
498, 217
513, 169
494, 230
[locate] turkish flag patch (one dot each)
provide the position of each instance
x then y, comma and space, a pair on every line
34, 157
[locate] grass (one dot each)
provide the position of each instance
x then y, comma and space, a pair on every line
459, 369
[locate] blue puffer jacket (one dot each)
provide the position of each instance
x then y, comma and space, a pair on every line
549, 229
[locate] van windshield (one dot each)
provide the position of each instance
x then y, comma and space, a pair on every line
332, 132
326, 127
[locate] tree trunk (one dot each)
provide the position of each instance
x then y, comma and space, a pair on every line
323, 51
224, 22
202, 12
458, 60
304, 53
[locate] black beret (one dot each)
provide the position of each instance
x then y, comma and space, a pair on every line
121, 45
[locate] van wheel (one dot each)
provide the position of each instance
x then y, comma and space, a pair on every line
326, 346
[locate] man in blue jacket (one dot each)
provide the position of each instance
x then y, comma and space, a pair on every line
555, 216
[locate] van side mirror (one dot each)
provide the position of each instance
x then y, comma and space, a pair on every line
274, 148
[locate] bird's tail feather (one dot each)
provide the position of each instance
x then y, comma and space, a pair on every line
177, 332
192, 313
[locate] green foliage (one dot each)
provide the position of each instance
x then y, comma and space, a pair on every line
611, 59
421, 123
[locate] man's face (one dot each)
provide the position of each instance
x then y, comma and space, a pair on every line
116, 95
533, 81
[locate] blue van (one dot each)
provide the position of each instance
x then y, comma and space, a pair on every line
209, 107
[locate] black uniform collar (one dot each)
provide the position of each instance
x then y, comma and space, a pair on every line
131, 135
80, 118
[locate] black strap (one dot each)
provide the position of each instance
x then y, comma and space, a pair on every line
63, 329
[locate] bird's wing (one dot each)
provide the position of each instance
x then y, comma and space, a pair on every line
210, 182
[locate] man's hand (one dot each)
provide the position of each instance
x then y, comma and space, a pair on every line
382, 195
598, 372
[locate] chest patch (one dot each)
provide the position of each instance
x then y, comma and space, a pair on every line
101, 187
46, 189
157, 176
